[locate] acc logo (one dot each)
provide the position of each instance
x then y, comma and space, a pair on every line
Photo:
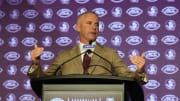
47, 55
10, 84
82, 1
13, 28
134, 40
152, 84
2, 14
151, 0
100, 12
169, 39
152, 25
134, 11
1, 41
64, 13
169, 11
12, 56
24, 69
63, 41
169, 98
56, 99
152, 54
117, 1
27, 97
101, 40
14, 2
30, 13
48, 2
169, 69
116, 26
29, 41
47, 27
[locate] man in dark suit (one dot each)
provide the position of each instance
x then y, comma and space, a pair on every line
102, 59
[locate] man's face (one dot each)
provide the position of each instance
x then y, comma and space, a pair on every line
88, 27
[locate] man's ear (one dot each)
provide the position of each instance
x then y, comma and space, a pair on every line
77, 27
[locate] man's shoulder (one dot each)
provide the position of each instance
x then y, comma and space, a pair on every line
106, 48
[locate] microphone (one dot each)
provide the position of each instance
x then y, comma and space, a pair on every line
59, 67
112, 71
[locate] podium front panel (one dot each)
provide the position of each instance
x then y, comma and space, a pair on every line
83, 92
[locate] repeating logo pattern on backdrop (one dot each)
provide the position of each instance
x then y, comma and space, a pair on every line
125, 25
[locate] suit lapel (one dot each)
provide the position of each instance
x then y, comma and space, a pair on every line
78, 61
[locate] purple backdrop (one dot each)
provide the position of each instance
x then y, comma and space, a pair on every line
129, 26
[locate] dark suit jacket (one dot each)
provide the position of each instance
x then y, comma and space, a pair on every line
97, 65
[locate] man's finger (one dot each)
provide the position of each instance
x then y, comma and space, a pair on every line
143, 54
35, 46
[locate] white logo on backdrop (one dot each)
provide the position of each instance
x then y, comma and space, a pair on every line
1, 41
100, 11
121, 53
134, 1
170, 69
133, 52
152, 69
99, 1
64, 13
152, 40
30, 27
47, 41
170, 84
170, 54
27, 56
134, 40
64, 26
116, 11
170, 39
152, 84
24, 69
47, 55
170, 11
151, 0
14, 2
27, 97
152, 25
170, 25
47, 27
48, 13
101, 40
134, 25
116, 40
13, 28
48, 2
116, 26
12, 70
169, 97
14, 14
2, 14
81, 10
117, 1
151, 97
1, 70
152, 54
30, 13
26, 84
65, 2
32, 2
134, 11
152, 11
13, 41
10, 97
133, 68
63, 41
82, 1
10, 84
29, 41
12, 56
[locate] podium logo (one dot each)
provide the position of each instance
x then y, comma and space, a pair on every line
110, 99
56, 99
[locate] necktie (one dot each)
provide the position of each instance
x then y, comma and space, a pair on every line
86, 62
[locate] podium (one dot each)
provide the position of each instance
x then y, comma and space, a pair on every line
87, 88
